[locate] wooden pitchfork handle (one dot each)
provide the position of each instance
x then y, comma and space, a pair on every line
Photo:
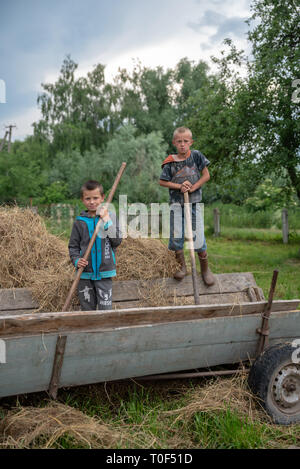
92, 240
191, 247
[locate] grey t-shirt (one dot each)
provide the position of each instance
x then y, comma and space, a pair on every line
186, 170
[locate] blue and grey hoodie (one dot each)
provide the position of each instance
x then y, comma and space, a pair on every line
102, 261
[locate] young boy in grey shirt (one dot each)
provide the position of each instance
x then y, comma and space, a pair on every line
186, 172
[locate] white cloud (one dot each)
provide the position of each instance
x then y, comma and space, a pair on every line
167, 53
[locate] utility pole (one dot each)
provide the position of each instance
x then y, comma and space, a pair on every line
9, 133
10, 127
3, 141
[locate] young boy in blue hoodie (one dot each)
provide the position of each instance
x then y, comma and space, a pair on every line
95, 285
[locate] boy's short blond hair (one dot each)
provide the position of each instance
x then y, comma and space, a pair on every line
182, 130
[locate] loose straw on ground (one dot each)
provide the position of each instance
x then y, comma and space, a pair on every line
220, 395
31, 427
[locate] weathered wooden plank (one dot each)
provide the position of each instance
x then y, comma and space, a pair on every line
98, 356
222, 298
16, 312
226, 330
16, 298
130, 290
57, 322
259, 293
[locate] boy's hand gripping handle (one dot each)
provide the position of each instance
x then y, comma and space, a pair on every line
92, 240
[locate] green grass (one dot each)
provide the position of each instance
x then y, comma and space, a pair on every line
227, 430
260, 258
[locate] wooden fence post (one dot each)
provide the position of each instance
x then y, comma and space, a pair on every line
285, 226
216, 222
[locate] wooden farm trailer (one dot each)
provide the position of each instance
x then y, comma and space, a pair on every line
45, 351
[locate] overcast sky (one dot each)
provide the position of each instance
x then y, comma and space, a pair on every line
36, 35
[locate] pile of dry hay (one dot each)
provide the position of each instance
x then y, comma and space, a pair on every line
144, 259
34, 427
219, 395
33, 258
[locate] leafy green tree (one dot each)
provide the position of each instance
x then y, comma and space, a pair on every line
231, 186
146, 99
215, 126
22, 171
253, 121
54, 193
271, 196
154, 99
190, 79
143, 155
81, 113
217, 122
73, 169
273, 112
77, 113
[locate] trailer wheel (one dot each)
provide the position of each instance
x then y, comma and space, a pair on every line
275, 379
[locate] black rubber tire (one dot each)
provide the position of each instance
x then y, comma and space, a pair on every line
272, 378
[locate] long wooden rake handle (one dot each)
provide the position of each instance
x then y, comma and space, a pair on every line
92, 240
191, 246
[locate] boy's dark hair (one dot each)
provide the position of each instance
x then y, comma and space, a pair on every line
90, 186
